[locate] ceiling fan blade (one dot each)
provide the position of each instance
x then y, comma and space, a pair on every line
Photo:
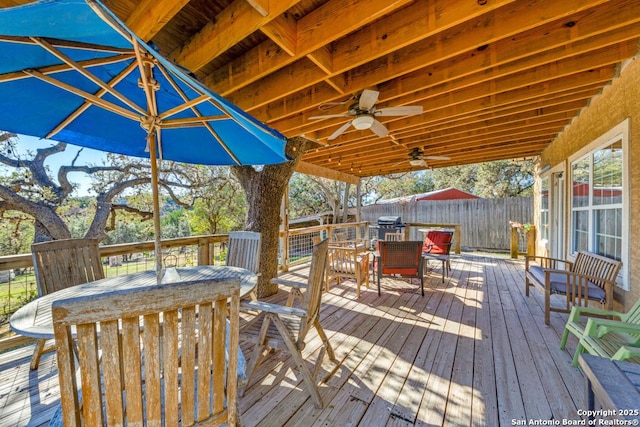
379, 129
328, 116
436, 157
339, 131
368, 99
405, 110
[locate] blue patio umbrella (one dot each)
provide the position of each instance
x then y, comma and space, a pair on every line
71, 71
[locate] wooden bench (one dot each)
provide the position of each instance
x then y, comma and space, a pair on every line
589, 277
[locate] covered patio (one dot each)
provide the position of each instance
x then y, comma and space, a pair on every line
473, 351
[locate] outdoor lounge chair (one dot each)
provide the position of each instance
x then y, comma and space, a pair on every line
60, 264
279, 326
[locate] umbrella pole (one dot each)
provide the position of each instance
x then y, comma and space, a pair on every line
156, 204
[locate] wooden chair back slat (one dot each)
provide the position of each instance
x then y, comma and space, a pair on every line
316, 279
244, 250
162, 347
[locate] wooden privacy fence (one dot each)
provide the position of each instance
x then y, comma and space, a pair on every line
484, 222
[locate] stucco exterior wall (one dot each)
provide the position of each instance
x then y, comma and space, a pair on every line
617, 102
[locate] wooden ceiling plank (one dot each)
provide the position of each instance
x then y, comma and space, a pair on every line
423, 19
415, 57
535, 97
317, 29
233, 24
283, 81
150, 16
470, 64
503, 25
416, 31
448, 93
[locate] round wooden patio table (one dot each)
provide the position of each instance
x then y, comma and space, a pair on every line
34, 319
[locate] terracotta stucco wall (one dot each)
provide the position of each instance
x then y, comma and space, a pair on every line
617, 102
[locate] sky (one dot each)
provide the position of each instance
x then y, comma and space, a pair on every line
87, 156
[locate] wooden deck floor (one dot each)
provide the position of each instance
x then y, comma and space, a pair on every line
473, 351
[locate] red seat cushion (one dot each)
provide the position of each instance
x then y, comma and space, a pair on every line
437, 242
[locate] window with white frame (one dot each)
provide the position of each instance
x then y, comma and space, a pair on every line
544, 209
598, 218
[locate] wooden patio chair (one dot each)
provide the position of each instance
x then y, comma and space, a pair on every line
340, 236
579, 317
175, 373
611, 339
280, 326
402, 259
244, 252
437, 246
350, 262
60, 264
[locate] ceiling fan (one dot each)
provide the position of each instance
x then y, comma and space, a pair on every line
364, 114
418, 158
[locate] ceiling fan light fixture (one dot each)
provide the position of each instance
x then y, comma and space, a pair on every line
417, 162
362, 122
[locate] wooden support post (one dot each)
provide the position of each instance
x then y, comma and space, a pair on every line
515, 238
531, 241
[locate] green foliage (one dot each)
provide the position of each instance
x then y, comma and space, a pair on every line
16, 233
399, 185
502, 178
220, 206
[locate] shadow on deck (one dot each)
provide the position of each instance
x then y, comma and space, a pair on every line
473, 351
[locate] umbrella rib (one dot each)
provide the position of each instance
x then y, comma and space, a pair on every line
180, 108
124, 73
86, 95
199, 115
68, 44
59, 68
76, 66
191, 121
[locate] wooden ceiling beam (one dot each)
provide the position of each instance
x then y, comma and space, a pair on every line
444, 146
236, 22
314, 31
492, 26
150, 16
283, 32
448, 94
476, 110
375, 38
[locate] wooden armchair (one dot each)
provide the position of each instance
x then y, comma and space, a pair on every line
281, 326
175, 373
350, 262
611, 339
399, 258
591, 277
60, 264
437, 246
579, 317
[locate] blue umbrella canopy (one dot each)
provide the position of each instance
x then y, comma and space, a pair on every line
73, 72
